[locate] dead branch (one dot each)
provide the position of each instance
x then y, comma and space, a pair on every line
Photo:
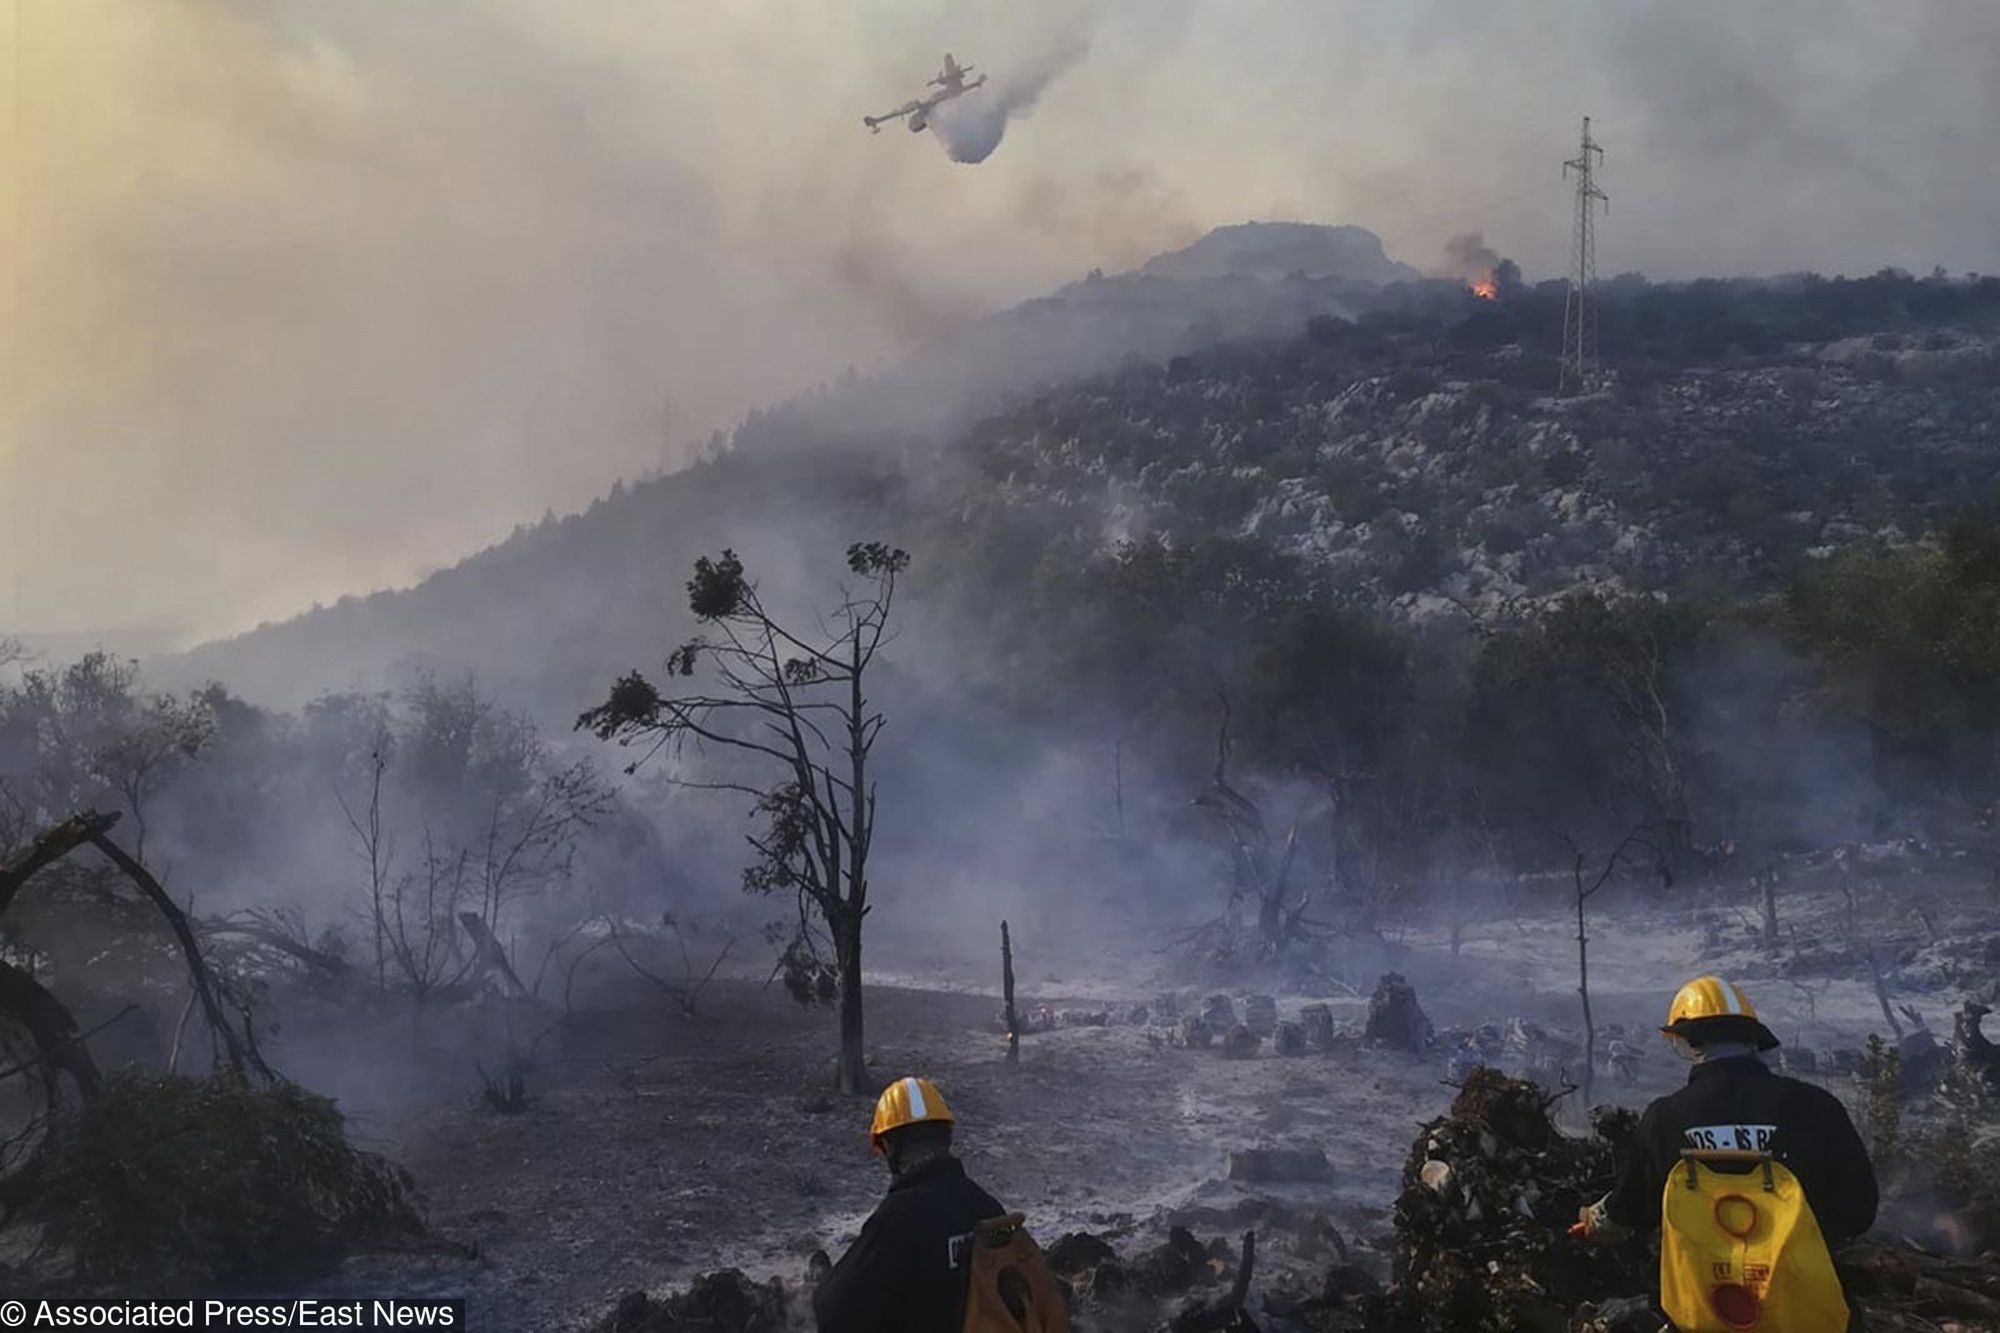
555, 947
240, 1048
569, 975
59, 1044
686, 994
78, 1040
267, 933
1239, 1292
49, 847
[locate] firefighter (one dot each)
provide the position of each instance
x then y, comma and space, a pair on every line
1735, 1104
909, 1268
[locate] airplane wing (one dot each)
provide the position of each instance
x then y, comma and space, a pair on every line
905, 109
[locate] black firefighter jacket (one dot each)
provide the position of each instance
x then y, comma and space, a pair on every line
906, 1272
1740, 1103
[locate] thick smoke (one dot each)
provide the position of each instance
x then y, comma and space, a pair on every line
1468, 256
971, 127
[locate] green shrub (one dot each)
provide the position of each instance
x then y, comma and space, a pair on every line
182, 1180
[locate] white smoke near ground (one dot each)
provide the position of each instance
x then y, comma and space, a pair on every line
969, 128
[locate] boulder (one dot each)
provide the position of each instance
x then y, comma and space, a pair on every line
1194, 1034
1241, 1043
1260, 1014
1394, 1017
1317, 1019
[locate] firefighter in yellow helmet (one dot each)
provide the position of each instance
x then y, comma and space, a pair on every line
1736, 1104
909, 1268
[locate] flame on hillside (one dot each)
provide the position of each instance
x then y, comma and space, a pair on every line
1486, 288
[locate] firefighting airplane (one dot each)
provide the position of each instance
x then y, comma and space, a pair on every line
950, 82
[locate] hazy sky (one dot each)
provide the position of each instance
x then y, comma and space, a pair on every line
310, 296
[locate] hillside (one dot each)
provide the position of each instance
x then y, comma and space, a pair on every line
1415, 460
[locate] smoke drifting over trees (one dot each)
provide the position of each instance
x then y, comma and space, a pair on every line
347, 295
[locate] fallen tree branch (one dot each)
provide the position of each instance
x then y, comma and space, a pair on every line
78, 1040
272, 937
50, 846
239, 1048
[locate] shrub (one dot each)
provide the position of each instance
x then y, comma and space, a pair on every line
186, 1181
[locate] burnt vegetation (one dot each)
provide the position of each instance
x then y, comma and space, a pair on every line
1364, 629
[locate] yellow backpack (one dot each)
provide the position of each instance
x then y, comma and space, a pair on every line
1740, 1250
1011, 1289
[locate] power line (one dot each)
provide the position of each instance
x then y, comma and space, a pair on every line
1579, 354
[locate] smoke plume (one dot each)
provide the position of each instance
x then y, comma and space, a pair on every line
1468, 256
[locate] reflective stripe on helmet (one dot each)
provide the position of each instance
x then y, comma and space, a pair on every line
1731, 999
915, 1092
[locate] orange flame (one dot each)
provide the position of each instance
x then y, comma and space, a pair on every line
1486, 289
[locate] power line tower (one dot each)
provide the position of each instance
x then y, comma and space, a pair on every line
1579, 350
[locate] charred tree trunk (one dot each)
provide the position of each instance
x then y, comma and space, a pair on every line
492, 958
853, 1070
57, 1040
1012, 1019
1882, 992
1770, 880
1583, 988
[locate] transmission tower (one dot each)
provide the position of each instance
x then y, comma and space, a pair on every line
1579, 351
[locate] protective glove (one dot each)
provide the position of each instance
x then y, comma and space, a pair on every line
1593, 1223
817, 1268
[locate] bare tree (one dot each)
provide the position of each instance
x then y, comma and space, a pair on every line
1625, 853
794, 709
498, 821
1262, 872
376, 847
685, 991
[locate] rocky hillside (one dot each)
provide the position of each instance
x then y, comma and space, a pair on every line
1422, 476
1402, 442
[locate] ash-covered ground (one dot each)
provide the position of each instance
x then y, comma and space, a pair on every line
658, 1145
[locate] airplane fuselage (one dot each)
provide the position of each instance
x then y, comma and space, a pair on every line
919, 111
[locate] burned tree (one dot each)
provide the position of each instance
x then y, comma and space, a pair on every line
1262, 872
1636, 843
1012, 1018
795, 710
496, 819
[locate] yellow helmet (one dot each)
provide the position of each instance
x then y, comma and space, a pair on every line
908, 1101
1711, 1000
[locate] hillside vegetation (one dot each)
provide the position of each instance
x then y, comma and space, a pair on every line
1453, 619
